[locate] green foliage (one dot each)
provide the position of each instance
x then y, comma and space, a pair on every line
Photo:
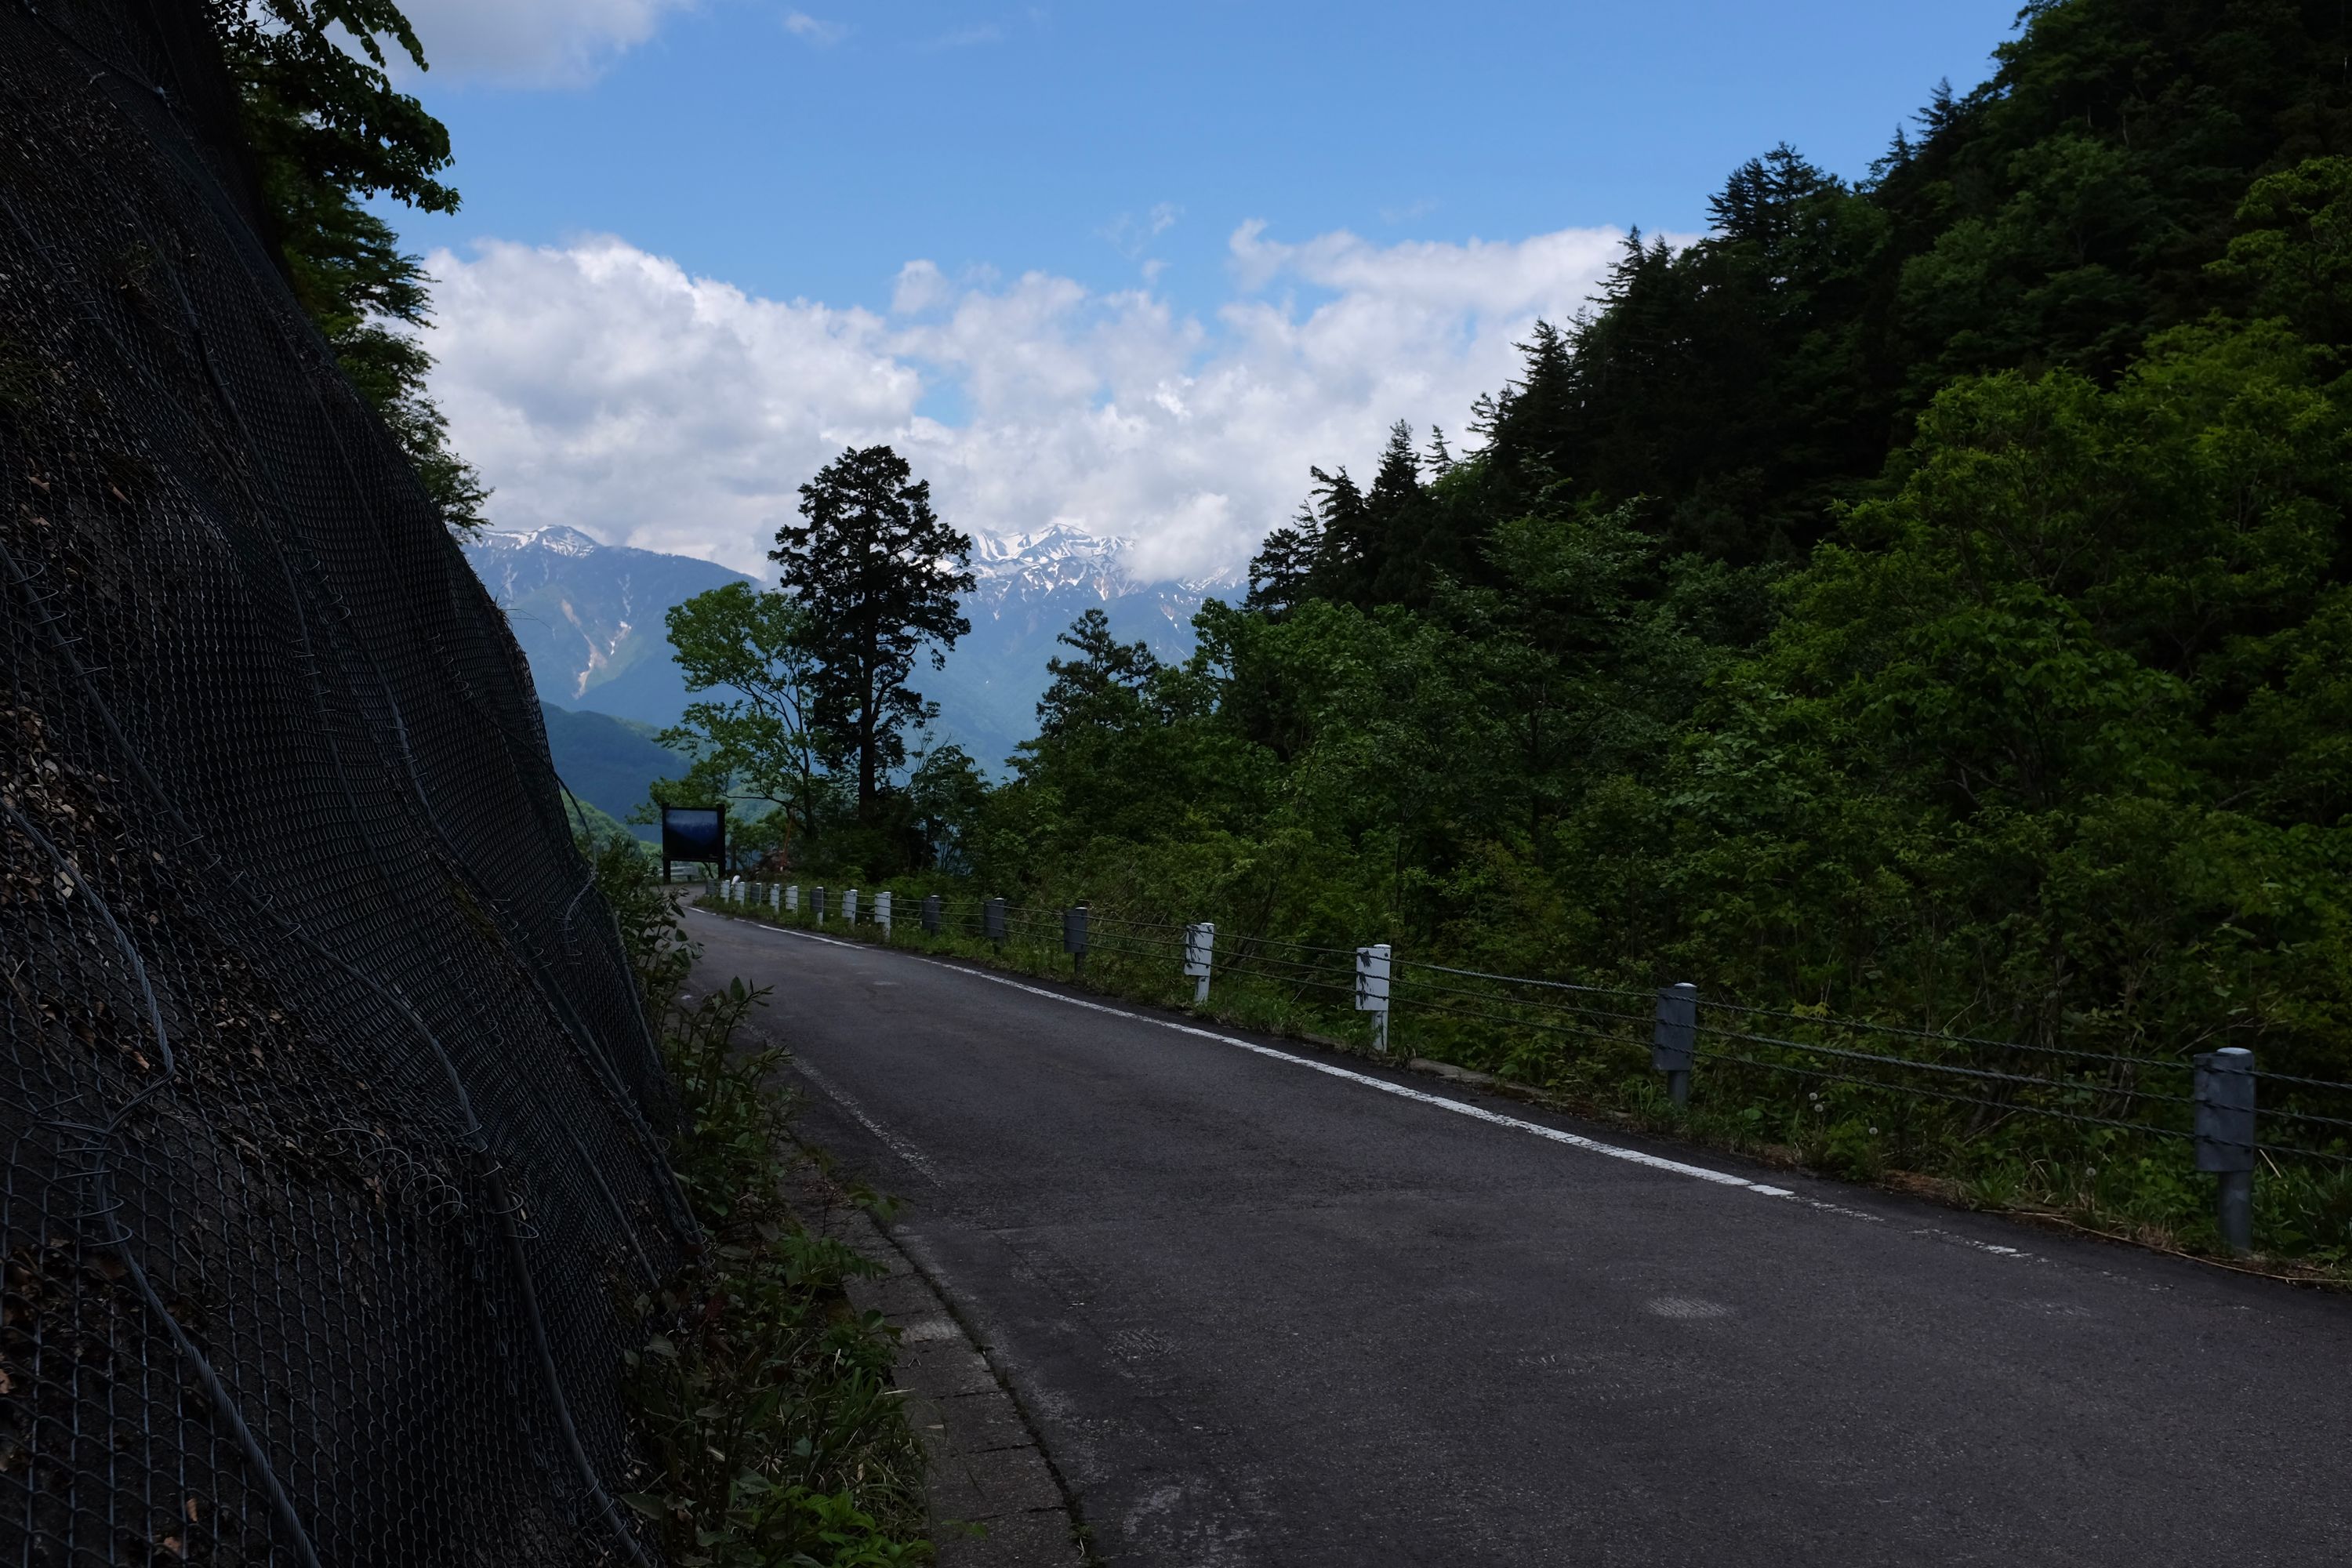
646, 915
2005, 735
760, 742
327, 130
2295, 259
877, 576
761, 746
1926, 599
769, 1430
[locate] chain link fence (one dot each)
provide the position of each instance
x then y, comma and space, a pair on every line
329, 1152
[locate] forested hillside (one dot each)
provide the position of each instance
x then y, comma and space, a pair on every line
1925, 597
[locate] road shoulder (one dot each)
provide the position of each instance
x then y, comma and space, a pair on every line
994, 1499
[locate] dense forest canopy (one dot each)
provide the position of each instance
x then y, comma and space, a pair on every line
1925, 595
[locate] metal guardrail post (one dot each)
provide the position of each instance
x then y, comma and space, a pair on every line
932, 914
792, 899
1074, 936
775, 896
1199, 950
991, 915
849, 907
1673, 1044
882, 912
2224, 1093
817, 904
1372, 991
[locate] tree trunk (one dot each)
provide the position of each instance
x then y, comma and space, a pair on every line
866, 717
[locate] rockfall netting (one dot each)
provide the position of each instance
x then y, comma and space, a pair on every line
328, 1115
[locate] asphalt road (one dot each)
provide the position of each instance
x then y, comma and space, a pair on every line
1263, 1311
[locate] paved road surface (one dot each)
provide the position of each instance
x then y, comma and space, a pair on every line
1264, 1313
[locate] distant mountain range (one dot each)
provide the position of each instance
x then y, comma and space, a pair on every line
589, 617
1030, 588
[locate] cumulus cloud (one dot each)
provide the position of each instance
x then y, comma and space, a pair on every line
600, 385
531, 43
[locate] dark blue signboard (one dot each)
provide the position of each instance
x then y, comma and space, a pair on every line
694, 832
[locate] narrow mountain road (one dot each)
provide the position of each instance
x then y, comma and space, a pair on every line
1261, 1309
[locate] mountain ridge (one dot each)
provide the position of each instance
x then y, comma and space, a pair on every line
588, 616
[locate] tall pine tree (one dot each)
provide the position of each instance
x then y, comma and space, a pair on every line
880, 578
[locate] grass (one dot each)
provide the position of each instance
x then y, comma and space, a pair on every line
769, 1432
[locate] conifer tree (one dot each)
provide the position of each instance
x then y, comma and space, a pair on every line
1283, 572
1405, 554
879, 577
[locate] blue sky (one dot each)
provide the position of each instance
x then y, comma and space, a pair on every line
1130, 205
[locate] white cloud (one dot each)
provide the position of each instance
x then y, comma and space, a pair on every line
967, 37
921, 286
531, 43
1132, 235
601, 387
801, 25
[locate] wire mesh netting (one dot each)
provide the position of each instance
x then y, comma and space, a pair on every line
329, 1114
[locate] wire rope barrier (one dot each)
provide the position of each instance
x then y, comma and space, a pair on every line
1481, 1012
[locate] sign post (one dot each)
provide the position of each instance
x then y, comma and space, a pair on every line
694, 832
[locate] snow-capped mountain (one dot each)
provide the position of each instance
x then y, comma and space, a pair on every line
1052, 560
1028, 589
589, 617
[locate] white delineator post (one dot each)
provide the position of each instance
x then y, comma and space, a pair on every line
882, 912
775, 896
849, 907
1372, 991
1200, 953
793, 899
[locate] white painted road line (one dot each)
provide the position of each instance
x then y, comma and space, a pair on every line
1476, 1112
891, 1141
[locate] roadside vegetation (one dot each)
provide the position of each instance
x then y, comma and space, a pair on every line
325, 132
1926, 599
762, 1401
